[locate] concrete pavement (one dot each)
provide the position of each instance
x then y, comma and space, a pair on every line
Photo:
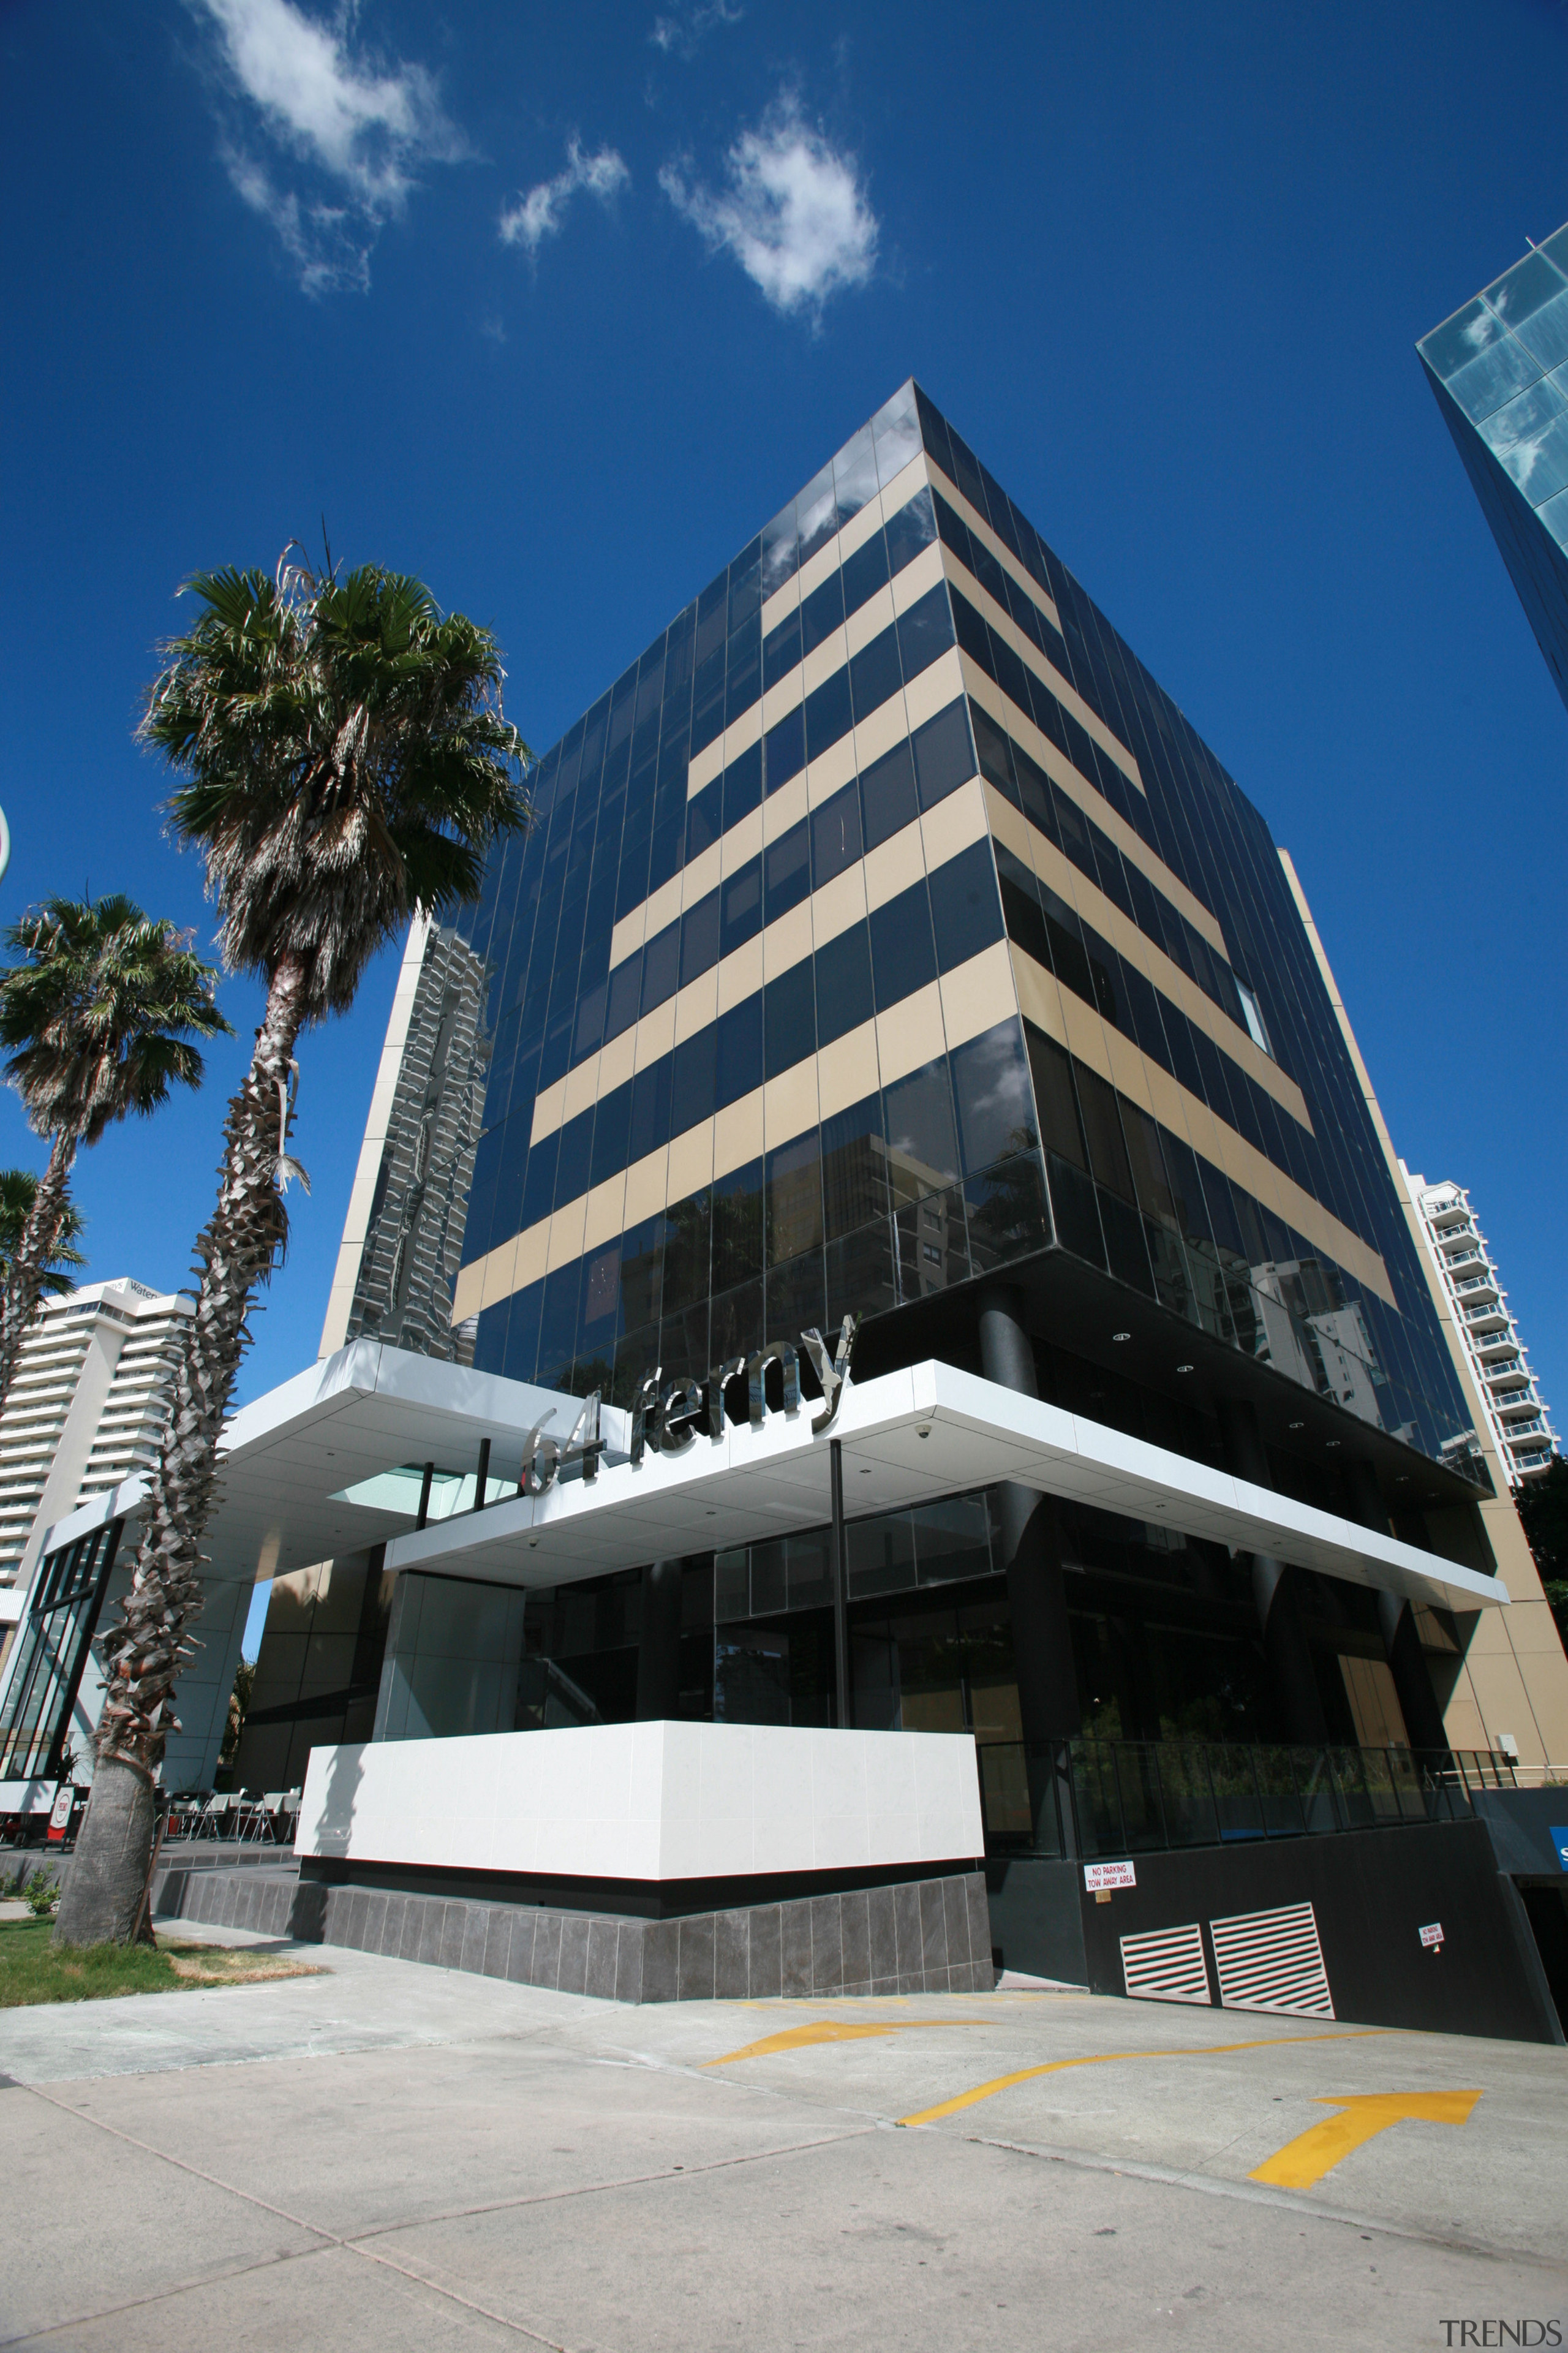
387, 2155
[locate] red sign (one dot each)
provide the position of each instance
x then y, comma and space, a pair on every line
1432, 1936
60, 1812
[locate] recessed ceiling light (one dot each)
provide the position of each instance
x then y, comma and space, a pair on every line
1122, 1335
925, 1432
865, 1474
1331, 1443
1184, 1368
1298, 1425
533, 1544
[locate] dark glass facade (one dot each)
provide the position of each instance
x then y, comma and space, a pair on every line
934, 640
1500, 370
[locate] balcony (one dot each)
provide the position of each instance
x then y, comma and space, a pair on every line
1515, 1430
1508, 1382
1480, 1320
1492, 1343
1452, 1213
1468, 1256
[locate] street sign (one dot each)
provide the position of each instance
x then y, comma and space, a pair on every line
1108, 1875
60, 1812
1432, 1936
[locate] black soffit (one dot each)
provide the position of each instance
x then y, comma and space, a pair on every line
1076, 1307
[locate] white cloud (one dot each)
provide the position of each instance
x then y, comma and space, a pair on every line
357, 128
542, 211
683, 31
793, 211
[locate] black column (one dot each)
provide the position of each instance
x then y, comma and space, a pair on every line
1396, 1623
1285, 1644
1031, 1545
658, 1649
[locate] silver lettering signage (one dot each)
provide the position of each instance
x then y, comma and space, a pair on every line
665, 1414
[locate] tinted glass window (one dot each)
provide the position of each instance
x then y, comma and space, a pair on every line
1051, 1068
742, 898
887, 789
612, 1129
944, 756
539, 1184
874, 673
922, 1143
576, 1157
1107, 1149
651, 1110
704, 818
827, 717
835, 836
787, 862
795, 1199
821, 612
925, 631
965, 912
780, 650
742, 784
996, 1108
691, 1084
844, 984
739, 1067
865, 571
903, 955
789, 1019
784, 750
661, 962
737, 1244
910, 532
699, 937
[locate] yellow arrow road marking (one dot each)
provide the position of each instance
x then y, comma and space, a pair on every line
1317, 2151
832, 2029
1103, 2059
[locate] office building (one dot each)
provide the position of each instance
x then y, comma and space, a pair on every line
937, 1270
1499, 368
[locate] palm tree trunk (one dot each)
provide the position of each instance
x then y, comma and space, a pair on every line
25, 1275
104, 1895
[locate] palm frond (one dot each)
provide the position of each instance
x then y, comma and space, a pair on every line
342, 756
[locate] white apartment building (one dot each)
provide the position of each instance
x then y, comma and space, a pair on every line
1498, 1360
85, 1412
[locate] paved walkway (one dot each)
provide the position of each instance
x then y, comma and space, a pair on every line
385, 2155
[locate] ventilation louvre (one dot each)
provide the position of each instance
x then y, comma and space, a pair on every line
1272, 1960
1167, 1964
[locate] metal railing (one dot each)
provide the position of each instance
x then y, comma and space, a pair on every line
1132, 1797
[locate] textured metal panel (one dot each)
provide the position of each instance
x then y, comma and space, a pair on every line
1272, 1960
1167, 1964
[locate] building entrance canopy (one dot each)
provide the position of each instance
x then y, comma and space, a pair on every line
331, 1462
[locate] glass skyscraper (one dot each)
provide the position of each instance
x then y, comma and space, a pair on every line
1500, 370
887, 936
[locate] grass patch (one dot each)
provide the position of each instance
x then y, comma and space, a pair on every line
32, 1970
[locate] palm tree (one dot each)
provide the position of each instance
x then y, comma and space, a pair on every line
18, 1191
345, 760
99, 1015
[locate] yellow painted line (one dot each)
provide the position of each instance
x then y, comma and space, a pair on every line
832, 2029
1321, 2147
1104, 2058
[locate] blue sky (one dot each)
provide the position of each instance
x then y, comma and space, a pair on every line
556, 307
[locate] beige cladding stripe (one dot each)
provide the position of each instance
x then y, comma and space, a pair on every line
1131, 844
944, 1015
1025, 647
1514, 1675
1077, 1027
1054, 867
826, 773
854, 535
919, 847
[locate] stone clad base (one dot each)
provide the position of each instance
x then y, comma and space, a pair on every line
930, 1936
